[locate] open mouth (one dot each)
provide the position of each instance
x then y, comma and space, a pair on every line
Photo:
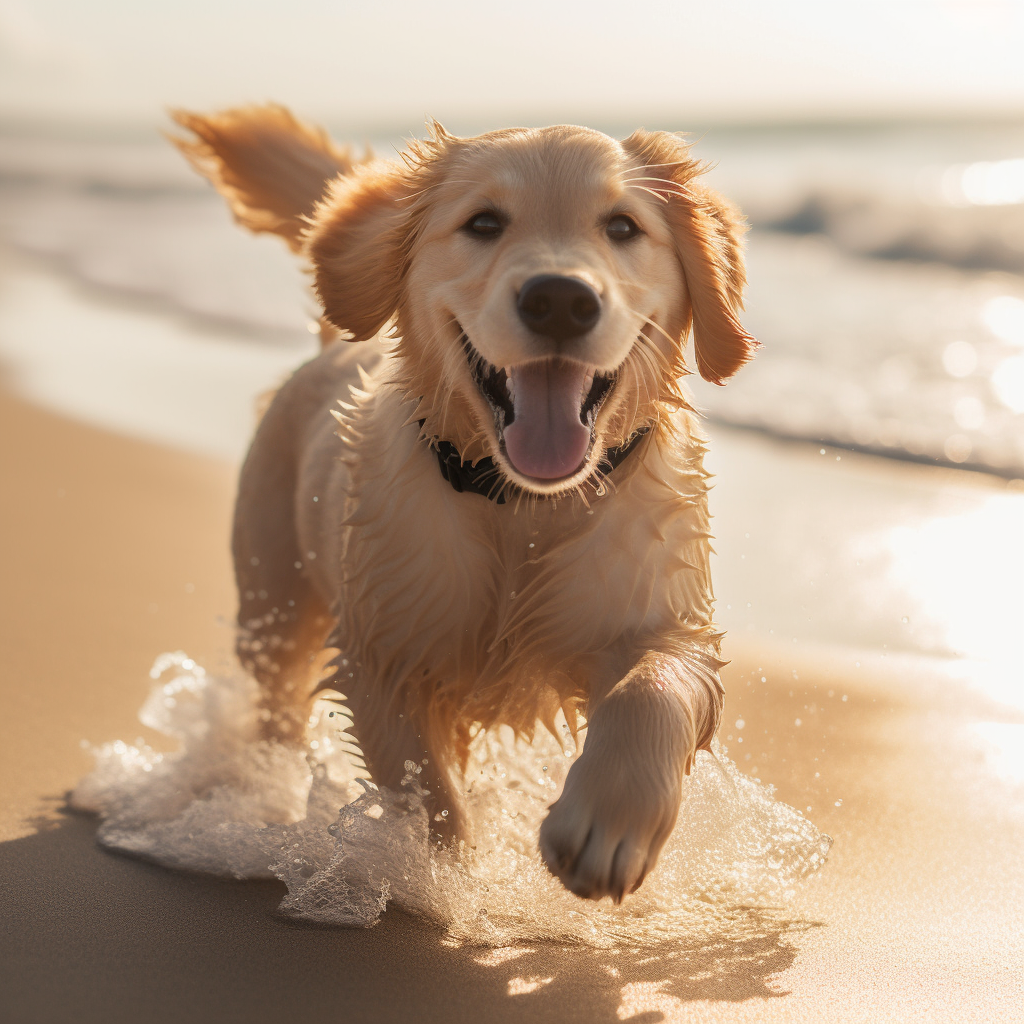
545, 411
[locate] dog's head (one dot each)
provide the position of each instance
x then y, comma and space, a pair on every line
542, 284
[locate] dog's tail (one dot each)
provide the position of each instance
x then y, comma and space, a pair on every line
270, 167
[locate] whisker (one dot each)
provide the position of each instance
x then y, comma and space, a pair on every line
665, 163
650, 191
647, 320
654, 177
437, 184
661, 193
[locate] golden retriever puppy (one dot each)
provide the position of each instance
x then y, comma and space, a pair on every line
496, 508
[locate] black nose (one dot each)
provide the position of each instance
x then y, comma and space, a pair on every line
558, 307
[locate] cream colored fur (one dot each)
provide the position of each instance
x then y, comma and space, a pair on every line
445, 612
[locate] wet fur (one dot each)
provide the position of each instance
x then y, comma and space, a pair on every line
442, 612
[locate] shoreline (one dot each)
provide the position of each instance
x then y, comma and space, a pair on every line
277, 351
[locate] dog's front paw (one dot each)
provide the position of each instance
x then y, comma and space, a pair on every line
605, 832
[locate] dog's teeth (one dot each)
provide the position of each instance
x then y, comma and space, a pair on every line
588, 383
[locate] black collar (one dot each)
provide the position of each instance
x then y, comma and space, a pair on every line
484, 478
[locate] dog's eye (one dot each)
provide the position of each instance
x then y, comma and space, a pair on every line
485, 224
621, 228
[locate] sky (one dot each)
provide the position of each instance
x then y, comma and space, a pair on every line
371, 64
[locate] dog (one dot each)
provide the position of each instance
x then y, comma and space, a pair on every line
490, 505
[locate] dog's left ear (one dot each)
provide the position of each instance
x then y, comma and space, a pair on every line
708, 234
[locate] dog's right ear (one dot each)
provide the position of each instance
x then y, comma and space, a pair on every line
358, 246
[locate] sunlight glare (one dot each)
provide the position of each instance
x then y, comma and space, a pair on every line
1004, 317
965, 574
985, 183
1008, 383
1003, 748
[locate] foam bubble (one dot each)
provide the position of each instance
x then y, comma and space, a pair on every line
230, 804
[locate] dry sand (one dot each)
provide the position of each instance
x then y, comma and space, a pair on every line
115, 550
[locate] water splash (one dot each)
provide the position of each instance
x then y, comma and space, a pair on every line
228, 803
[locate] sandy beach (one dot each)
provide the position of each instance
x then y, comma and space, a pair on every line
115, 550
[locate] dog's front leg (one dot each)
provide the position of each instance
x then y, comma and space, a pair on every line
621, 797
397, 745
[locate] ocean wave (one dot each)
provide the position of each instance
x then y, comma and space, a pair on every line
882, 226
175, 251
913, 361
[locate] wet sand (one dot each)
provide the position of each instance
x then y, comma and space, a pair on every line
115, 550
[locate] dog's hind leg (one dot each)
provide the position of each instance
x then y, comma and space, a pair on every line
282, 620
278, 641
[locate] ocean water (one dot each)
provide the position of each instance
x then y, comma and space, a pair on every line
226, 803
886, 268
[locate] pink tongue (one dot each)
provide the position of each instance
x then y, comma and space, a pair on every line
546, 439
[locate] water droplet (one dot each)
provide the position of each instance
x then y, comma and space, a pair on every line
839, 803
740, 723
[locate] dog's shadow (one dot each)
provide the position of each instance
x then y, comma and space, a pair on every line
106, 937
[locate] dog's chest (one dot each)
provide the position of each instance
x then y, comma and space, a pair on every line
454, 579
443, 583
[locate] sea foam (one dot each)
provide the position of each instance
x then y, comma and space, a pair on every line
230, 804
